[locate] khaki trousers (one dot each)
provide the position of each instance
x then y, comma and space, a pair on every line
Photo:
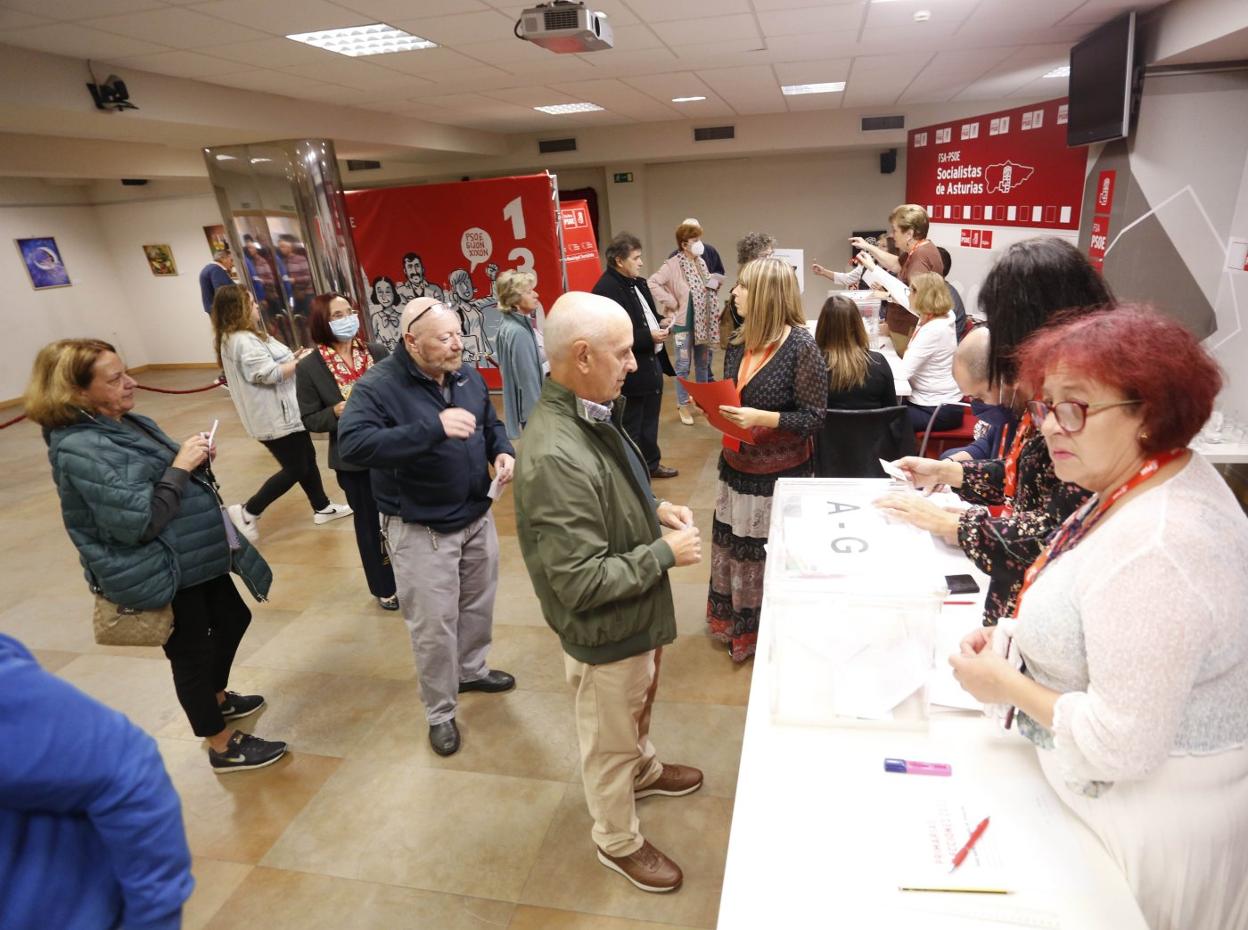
613, 704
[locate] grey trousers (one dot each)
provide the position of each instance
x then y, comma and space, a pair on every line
446, 586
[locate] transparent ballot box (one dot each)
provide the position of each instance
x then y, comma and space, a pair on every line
850, 607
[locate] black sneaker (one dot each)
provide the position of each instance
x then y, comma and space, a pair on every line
240, 705
244, 752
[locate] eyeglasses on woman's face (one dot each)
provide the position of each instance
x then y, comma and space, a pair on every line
1071, 415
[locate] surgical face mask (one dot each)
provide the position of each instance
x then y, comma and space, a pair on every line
346, 327
697, 248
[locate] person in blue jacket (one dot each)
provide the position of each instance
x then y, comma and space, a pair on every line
423, 422
215, 275
91, 834
996, 422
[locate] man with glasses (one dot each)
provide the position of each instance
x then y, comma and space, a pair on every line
422, 420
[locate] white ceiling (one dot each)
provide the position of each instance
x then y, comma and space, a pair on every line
735, 52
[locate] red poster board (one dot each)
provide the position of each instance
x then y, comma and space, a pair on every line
580, 248
1009, 168
462, 235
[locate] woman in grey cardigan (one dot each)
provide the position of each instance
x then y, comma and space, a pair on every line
518, 347
261, 375
144, 514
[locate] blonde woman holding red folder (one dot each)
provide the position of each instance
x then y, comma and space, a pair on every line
783, 385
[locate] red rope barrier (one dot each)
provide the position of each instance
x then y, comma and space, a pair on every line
143, 387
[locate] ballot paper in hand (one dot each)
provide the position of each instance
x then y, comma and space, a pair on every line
898, 292
496, 489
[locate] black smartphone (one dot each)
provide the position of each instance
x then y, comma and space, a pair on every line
961, 584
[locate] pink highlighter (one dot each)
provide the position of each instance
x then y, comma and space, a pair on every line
908, 767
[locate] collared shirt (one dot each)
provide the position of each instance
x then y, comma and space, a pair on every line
599, 412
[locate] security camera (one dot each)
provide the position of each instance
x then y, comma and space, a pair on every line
111, 94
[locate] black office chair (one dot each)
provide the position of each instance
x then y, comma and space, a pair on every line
852, 442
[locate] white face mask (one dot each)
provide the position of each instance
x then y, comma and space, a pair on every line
697, 248
345, 327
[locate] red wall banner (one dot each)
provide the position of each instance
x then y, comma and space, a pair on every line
580, 248
450, 241
1009, 168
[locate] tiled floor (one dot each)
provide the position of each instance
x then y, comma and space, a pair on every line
362, 826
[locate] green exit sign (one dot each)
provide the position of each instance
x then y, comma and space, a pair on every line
623, 177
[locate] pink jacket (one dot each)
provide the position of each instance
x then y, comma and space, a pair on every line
670, 290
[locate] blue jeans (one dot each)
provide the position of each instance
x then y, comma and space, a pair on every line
687, 353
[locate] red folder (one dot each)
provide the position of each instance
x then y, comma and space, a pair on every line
709, 396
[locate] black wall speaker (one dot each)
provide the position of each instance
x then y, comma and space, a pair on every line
888, 161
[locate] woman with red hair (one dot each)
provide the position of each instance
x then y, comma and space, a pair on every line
1133, 623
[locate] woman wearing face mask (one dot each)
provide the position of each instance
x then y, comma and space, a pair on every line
323, 382
683, 290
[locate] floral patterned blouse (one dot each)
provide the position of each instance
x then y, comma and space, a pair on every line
1003, 547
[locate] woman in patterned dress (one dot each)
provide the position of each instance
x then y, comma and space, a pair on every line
1034, 281
783, 383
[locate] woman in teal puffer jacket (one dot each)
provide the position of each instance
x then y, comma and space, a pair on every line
146, 519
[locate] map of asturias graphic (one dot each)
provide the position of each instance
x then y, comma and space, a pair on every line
1005, 176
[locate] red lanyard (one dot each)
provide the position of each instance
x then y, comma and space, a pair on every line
1077, 525
1021, 435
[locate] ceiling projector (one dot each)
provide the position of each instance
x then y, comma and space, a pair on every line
565, 26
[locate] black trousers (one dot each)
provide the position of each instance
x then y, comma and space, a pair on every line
297, 457
359, 490
641, 422
950, 417
209, 621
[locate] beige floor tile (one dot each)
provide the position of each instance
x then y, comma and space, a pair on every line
237, 817
689, 599
706, 736
697, 669
142, 689
528, 734
325, 715
545, 918
535, 650
52, 660
371, 642
299, 901
215, 881
692, 830
399, 824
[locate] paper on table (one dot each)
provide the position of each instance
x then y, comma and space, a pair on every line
709, 396
940, 828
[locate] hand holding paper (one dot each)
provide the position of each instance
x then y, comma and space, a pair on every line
898, 292
713, 395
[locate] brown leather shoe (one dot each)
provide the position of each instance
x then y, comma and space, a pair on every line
647, 868
676, 780
662, 471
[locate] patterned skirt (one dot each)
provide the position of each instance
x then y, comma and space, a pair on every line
738, 554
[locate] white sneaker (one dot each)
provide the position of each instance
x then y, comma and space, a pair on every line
244, 522
332, 512
686, 416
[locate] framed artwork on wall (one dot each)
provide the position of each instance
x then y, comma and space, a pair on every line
160, 260
43, 262
216, 238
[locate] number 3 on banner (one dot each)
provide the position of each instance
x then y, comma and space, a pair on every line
515, 212
525, 256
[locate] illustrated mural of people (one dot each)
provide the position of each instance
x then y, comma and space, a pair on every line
415, 284
477, 346
384, 312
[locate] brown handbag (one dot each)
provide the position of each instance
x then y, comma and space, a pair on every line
122, 626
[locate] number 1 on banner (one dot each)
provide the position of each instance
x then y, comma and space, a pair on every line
515, 212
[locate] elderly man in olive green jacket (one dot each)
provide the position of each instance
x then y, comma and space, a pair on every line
591, 533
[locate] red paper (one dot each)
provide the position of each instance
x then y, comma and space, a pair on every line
709, 396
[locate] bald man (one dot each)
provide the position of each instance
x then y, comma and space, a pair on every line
591, 532
423, 422
996, 424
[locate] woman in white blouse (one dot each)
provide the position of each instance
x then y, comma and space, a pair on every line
1133, 624
928, 362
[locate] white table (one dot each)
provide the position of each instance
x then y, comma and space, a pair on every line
816, 821
1223, 453
884, 347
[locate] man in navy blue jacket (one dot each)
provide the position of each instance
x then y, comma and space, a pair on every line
422, 421
215, 275
994, 428
91, 833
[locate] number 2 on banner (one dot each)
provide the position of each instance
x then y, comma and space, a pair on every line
514, 211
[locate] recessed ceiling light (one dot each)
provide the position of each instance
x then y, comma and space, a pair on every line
557, 108
687, 99
369, 39
792, 90
225, 157
922, 16
1063, 71
260, 161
